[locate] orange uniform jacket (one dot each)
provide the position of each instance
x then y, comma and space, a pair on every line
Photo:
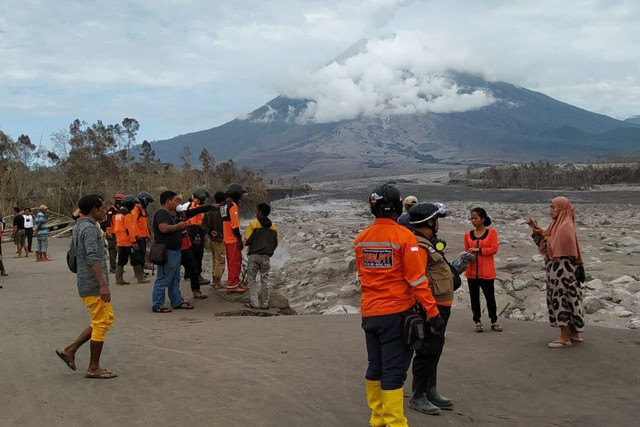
230, 220
391, 270
140, 218
125, 229
483, 267
196, 219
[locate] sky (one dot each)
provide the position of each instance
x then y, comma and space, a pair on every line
180, 66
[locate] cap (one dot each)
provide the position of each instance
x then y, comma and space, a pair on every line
43, 207
410, 200
118, 197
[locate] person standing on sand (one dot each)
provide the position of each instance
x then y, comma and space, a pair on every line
28, 228
564, 269
391, 275
212, 226
93, 286
42, 235
18, 234
2, 225
232, 237
425, 397
481, 273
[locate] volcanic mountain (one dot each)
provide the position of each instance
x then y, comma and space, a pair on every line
516, 125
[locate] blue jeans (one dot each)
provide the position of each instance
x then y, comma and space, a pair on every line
168, 277
389, 359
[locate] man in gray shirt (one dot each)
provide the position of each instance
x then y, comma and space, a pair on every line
93, 285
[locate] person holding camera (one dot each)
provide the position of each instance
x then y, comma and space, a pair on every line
391, 275
424, 395
564, 269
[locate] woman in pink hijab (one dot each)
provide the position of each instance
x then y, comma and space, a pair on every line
565, 271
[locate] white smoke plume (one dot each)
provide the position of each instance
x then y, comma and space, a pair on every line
403, 74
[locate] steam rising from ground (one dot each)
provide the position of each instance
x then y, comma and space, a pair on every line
404, 74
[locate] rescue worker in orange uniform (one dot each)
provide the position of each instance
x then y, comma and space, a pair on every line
232, 237
197, 234
391, 274
139, 214
126, 231
424, 219
110, 234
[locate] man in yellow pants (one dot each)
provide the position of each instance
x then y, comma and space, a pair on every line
93, 286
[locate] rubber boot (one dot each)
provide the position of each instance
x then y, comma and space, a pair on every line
374, 402
419, 400
119, 274
139, 273
435, 397
2, 270
393, 408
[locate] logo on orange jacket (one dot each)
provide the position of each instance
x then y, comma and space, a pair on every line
377, 258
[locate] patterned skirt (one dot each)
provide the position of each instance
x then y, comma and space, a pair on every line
564, 294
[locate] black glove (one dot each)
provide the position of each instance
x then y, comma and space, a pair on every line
437, 324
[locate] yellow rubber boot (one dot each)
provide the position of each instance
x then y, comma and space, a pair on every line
393, 406
374, 401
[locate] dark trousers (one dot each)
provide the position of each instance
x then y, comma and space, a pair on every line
142, 250
388, 358
29, 233
489, 294
113, 253
187, 261
197, 246
425, 362
124, 253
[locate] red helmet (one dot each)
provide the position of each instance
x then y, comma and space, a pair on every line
118, 197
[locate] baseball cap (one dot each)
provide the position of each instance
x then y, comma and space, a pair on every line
410, 200
118, 197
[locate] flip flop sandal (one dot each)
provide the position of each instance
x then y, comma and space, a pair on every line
479, 327
161, 310
576, 339
558, 344
70, 363
184, 306
102, 375
496, 327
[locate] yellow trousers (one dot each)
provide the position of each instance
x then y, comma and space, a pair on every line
218, 252
102, 317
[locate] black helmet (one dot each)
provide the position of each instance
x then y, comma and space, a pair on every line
236, 191
129, 201
201, 193
145, 198
423, 212
385, 199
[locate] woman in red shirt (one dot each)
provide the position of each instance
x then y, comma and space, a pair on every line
483, 243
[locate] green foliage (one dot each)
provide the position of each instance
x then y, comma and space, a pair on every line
97, 158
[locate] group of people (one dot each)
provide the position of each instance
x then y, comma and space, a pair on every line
403, 271
179, 230
24, 228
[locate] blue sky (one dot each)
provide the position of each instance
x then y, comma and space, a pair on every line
180, 66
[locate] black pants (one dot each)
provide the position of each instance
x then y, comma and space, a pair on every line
142, 250
187, 261
197, 246
489, 294
29, 233
388, 358
425, 362
124, 253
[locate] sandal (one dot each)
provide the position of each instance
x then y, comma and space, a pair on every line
184, 305
496, 327
559, 344
161, 310
479, 327
103, 374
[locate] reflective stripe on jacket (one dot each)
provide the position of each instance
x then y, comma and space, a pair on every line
391, 270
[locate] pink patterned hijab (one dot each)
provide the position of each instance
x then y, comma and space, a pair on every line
561, 233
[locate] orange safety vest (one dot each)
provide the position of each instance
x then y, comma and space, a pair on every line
125, 229
196, 219
483, 267
230, 220
391, 270
140, 218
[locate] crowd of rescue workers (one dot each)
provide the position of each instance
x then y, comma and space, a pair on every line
406, 281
